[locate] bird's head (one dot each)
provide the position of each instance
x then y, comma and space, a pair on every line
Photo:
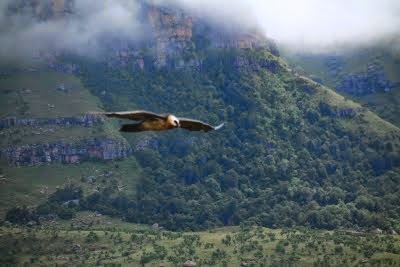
172, 120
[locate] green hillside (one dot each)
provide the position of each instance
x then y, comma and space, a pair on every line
332, 68
93, 241
31, 186
40, 94
44, 94
304, 172
292, 152
31, 93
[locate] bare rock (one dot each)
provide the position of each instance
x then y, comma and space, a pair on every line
189, 263
69, 153
76, 248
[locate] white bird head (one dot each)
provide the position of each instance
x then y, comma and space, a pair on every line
172, 120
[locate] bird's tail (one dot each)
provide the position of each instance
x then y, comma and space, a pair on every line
135, 127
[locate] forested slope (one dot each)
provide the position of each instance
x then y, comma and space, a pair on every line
292, 153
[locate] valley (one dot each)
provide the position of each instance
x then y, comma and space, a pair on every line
92, 240
305, 172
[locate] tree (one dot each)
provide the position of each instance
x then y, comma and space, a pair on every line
92, 237
21, 215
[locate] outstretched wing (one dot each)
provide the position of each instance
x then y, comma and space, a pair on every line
195, 125
136, 115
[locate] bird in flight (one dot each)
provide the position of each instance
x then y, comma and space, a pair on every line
149, 121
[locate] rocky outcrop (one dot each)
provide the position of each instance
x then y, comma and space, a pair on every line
49, 9
170, 38
250, 64
189, 263
69, 153
87, 120
238, 40
90, 149
174, 42
335, 64
172, 31
327, 110
370, 81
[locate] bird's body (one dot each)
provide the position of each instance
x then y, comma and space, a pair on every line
149, 121
156, 125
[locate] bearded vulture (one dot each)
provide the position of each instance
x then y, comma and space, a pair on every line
149, 121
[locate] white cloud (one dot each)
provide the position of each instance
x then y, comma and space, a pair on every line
24, 35
310, 23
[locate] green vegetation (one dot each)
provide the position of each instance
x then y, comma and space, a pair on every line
331, 68
292, 152
33, 185
91, 240
52, 134
44, 94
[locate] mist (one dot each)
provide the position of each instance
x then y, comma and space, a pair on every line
307, 25
24, 35
311, 25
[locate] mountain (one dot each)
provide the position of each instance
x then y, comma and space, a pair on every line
293, 152
367, 74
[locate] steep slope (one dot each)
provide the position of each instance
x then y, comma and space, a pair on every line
44, 121
293, 152
369, 75
43, 111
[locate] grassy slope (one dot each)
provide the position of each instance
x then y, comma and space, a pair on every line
36, 95
258, 107
23, 185
384, 104
27, 95
126, 244
31, 185
39, 89
366, 120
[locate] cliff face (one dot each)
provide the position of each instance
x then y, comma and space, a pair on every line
368, 74
360, 74
174, 37
84, 120
171, 37
50, 9
372, 80
172, 31
89, 149
69, 153
253, 64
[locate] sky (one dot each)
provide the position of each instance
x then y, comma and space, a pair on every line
311, 25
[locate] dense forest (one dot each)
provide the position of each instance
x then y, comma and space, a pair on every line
290, 153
